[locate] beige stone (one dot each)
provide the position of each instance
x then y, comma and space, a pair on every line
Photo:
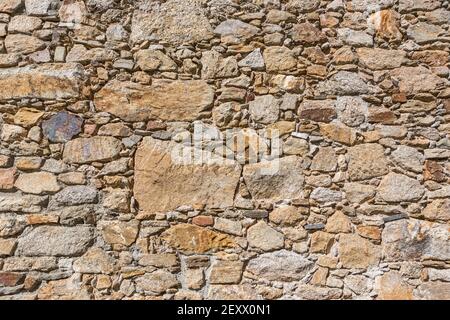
194, 239
338, 223
321, 242
391, 286
49, 81
226, 272
357, 252
164, 183
165, 99
85, 150
37, 183
366, 161
264, 237
122, 233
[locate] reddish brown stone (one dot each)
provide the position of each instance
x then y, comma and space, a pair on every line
203, 221
156, 125
10, 279
381, 115
434, 171
399, 97
433, 58
7, 178
307, 33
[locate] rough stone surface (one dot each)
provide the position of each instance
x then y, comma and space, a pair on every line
224, 149
164, 99
55, 241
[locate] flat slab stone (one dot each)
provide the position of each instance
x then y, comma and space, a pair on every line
175, 22
50, 81
55, 241
162, 183
164, 99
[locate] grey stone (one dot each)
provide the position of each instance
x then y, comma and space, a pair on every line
265, 109
157, 282
280, 265
408, 158
396, 187
326, 195
253, 60
264, 237
76, 195
55, 241
344, 83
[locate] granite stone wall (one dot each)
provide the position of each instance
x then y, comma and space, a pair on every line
216, 149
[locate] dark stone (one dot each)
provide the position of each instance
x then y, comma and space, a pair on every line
255, 214
395, 217
314, 226
162, 135
62, 127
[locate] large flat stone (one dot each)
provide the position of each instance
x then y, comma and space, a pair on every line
165, 99
275, 180
50, 81
163, 182
55, 241
280, 265
175, 22
85, 150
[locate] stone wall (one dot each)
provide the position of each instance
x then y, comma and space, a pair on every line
343, 104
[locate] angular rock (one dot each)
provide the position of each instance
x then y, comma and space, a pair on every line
24, 44
24, 24
280, 265
235, 31
232, 292
307, 33
413, 80
398, 187
175, 22
10, 6
164, 182
264, 237
161, 260
265, 109
279, 59
408, 158
326, 195
423, 32
14, 202
194, 239
439, 209
412, 5
366, 161
380, 59
157, 282
62, 127
215, 66
338, 223
86, 150
76, 195
433, 290
317, 110
321, 242
226, 272
49, 81
95, 260
357, 252
80, 54
310, 292
176, 100
325, 160
122, 233
39, 7
11, 224
391, 286
358, 193
253, 60
303, 6
355, 37
275, 180
386, 24
343, 83
412, 240
37, 183
352, 111
55, 241
152, 60
7, 178
286, 215
338, 132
